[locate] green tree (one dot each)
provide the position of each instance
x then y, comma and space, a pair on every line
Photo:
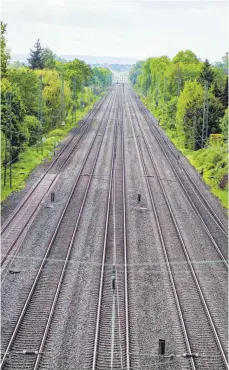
135, 71
76, 70
225, 60
19, 132
5, 54
224, 125
189, 115
215, 113
185, 57
16, 65
34, 128
27, 83
36, 57
207, 73
224, 95
102, 77
49, 58
51, 94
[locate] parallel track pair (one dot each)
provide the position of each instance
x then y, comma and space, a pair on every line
188, 294
39, 307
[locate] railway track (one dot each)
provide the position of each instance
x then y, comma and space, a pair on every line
215, 230
197, 322
22, 349
108, 337
15, 228
18, 222
111, 340
198, 201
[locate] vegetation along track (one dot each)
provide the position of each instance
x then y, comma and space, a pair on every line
214, 227
199, 325
17, 223
32, 326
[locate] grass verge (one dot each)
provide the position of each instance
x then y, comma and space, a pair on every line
214, 163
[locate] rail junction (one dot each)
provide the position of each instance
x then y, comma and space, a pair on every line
133, 250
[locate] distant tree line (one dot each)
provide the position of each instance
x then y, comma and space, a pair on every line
114, 66
39, 97
175, 91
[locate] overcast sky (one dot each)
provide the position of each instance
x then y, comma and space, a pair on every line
121, 28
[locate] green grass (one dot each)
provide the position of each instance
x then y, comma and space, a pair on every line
215, 166
33, 156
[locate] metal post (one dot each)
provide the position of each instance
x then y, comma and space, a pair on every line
205, 116
165, 89
74, 99
165, 99
52, 196
156, 91
10, 120
194, 132
178, 81
40, 111
62, 99
5, 160
161, 349
8, 133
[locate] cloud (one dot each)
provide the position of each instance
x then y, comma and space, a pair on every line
118, 27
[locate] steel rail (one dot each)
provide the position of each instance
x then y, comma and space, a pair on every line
66, 262
184, 330
125, 242
111, 184
195, 278
96, 340
226, 264
36, 280
93, 112
198, 192
5, 256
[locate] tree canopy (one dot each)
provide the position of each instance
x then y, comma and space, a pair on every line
36, 60
174, 90
49, 87
5, 53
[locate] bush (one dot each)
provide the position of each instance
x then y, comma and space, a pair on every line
34, 128
56, 132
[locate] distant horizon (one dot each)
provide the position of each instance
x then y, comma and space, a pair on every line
129, 29
110, 59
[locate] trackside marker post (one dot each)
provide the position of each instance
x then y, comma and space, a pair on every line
161, 349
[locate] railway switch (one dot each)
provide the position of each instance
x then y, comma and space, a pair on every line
161, 349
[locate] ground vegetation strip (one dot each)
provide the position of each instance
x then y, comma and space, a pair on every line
189, 98
49, 94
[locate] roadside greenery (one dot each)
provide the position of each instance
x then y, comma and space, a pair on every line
47, 95
175, 91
